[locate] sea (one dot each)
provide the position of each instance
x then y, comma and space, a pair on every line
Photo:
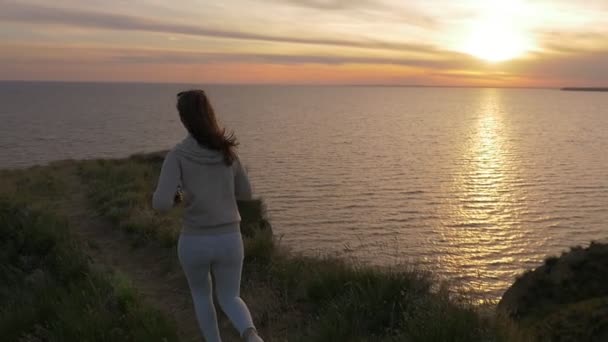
475, 184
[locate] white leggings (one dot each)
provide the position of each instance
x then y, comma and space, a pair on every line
222, 254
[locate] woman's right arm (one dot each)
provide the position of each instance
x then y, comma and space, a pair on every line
168, 182
242, 186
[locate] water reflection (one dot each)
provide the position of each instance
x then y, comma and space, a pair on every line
482, 219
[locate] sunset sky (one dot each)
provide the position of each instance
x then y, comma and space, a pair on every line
442, 42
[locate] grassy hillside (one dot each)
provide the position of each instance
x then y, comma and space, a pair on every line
50, 292
292, 297
332, 300
566, 299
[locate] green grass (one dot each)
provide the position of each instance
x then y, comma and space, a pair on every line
121, 191
50, 292
39, 186
336, 300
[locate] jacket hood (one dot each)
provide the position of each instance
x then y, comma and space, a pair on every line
190, 149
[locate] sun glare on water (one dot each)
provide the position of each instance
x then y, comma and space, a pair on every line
497, 35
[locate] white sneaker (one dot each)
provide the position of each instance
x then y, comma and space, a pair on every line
252, 336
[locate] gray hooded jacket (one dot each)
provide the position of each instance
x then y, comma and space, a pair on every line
210, 188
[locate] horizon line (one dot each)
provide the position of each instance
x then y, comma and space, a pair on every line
379, 85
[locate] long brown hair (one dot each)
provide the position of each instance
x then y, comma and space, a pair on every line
198, 117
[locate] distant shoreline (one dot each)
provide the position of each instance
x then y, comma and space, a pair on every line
584, 89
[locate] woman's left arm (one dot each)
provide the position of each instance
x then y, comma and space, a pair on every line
164, 195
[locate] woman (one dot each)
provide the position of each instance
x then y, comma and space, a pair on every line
206, 168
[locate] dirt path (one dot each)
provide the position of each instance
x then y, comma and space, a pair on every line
152, 269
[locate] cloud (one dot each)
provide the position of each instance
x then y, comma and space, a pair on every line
332, 4
405, 13
36, 53
582, 68
592, 67
574, 53
573, 42
546, 70
34, 14
457, 60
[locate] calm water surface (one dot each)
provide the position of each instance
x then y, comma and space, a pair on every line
477, 184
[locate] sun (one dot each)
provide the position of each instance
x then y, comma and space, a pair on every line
495, 36
495, 42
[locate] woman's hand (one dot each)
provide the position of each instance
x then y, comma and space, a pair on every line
178, 198
182, 198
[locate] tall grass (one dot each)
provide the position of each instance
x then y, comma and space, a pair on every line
121, 191
40, 186
336, 300
50, 292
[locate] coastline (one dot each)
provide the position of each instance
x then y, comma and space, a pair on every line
597, 89
332, 299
